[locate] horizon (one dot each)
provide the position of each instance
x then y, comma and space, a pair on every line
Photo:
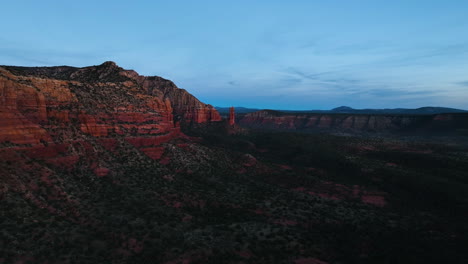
301, 55
428, 106
247, 107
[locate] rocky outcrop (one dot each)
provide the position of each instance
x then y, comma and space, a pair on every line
267, 119
232, 116
22, 108
65, 115
185, 106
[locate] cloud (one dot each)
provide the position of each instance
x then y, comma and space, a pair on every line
400, 93
302, 74
289, 81
19, 58
47, 57
326, 81
420, 56
464, 83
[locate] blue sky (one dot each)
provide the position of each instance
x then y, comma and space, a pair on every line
267, 54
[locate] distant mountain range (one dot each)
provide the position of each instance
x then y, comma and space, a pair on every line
428, 110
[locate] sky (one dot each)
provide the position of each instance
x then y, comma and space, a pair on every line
293, 54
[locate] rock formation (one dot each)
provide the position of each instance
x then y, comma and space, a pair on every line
63, 115
267, 119
232, 116
185, 106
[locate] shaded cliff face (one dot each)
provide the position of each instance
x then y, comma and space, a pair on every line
267, 119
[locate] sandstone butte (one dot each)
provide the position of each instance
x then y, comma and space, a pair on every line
66, 115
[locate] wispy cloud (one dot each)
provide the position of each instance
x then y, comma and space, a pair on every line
399, 93
47, 57
421, 56
464, 83
305, 75
289, 81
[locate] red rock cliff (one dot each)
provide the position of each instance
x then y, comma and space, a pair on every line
60, 124
267, 119
186, 107
64, 115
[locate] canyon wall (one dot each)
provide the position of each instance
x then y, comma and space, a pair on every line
268, 119
186, 107
65, 116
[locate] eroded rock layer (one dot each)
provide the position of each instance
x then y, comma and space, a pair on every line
65, 116
267, 119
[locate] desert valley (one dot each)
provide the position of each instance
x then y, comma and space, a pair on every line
102, 165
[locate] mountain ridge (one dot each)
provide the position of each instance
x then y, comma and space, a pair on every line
185, 106
346, 109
